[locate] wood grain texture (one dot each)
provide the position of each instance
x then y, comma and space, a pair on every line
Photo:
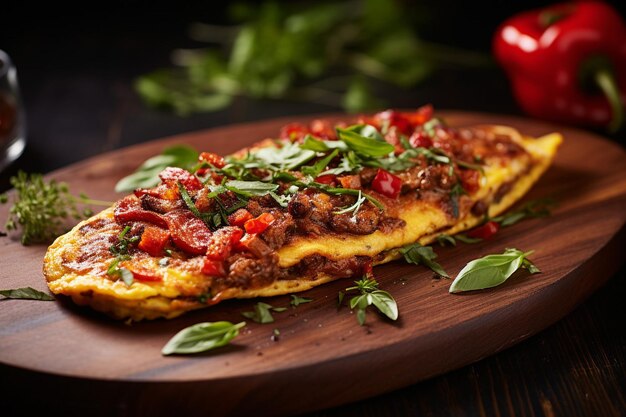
322, 349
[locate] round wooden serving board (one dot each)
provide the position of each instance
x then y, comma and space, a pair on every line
81, 360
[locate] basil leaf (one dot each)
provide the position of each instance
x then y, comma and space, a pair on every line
289, 157
313, 144
319, 166
491, 270
385, 303
365, 145
296, 301
147, 175
202, 337
423, 255
367, 131
27, 293
250, 188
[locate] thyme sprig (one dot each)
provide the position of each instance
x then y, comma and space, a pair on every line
42, 208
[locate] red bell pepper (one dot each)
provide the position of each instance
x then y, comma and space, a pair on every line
387, 184
484, 231
567, 62
259, 224
153, 240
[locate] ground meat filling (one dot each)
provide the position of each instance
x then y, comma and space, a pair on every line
193, 216
311, 266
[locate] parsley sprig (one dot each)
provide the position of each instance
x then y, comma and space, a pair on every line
41, 209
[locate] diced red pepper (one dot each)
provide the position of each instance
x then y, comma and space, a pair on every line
397, 119
322, 129
141, 273
187, 179
213, 159
294, 132
240, 217
189, 233
484, 231
387, 184
222, 242
259, 224
328, 179
420, 140
153, 240
213, 268
470, 179
251, 242
420, 116
350, 181
129, 209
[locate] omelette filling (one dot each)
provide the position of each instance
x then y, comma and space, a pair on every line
321, 202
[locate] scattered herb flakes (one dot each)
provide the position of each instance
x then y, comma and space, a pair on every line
262, 313
296, 300
202, 337
423, 255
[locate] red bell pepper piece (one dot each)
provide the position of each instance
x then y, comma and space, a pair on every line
259, 224
322, 129
421, 140
328, 179
222, 242
567, 62
294, 132
484, 231
212, 158
189, 233
387, 184
173, 175
396, 119
153, 240
129, 210
213, 268
239, 217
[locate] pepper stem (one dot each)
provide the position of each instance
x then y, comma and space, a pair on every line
605, 80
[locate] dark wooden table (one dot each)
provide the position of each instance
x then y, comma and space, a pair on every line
77, 86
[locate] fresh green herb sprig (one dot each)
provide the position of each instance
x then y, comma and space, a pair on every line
296, 300
370, 295
202, 337
530, 210
41, 209
492, 270
328, 53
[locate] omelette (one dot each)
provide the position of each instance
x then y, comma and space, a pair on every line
318, 203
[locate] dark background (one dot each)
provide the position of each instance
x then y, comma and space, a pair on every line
76, 66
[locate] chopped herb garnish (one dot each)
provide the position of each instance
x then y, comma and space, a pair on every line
529, 210
423, 255
296, 301
368, 146
262, 313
